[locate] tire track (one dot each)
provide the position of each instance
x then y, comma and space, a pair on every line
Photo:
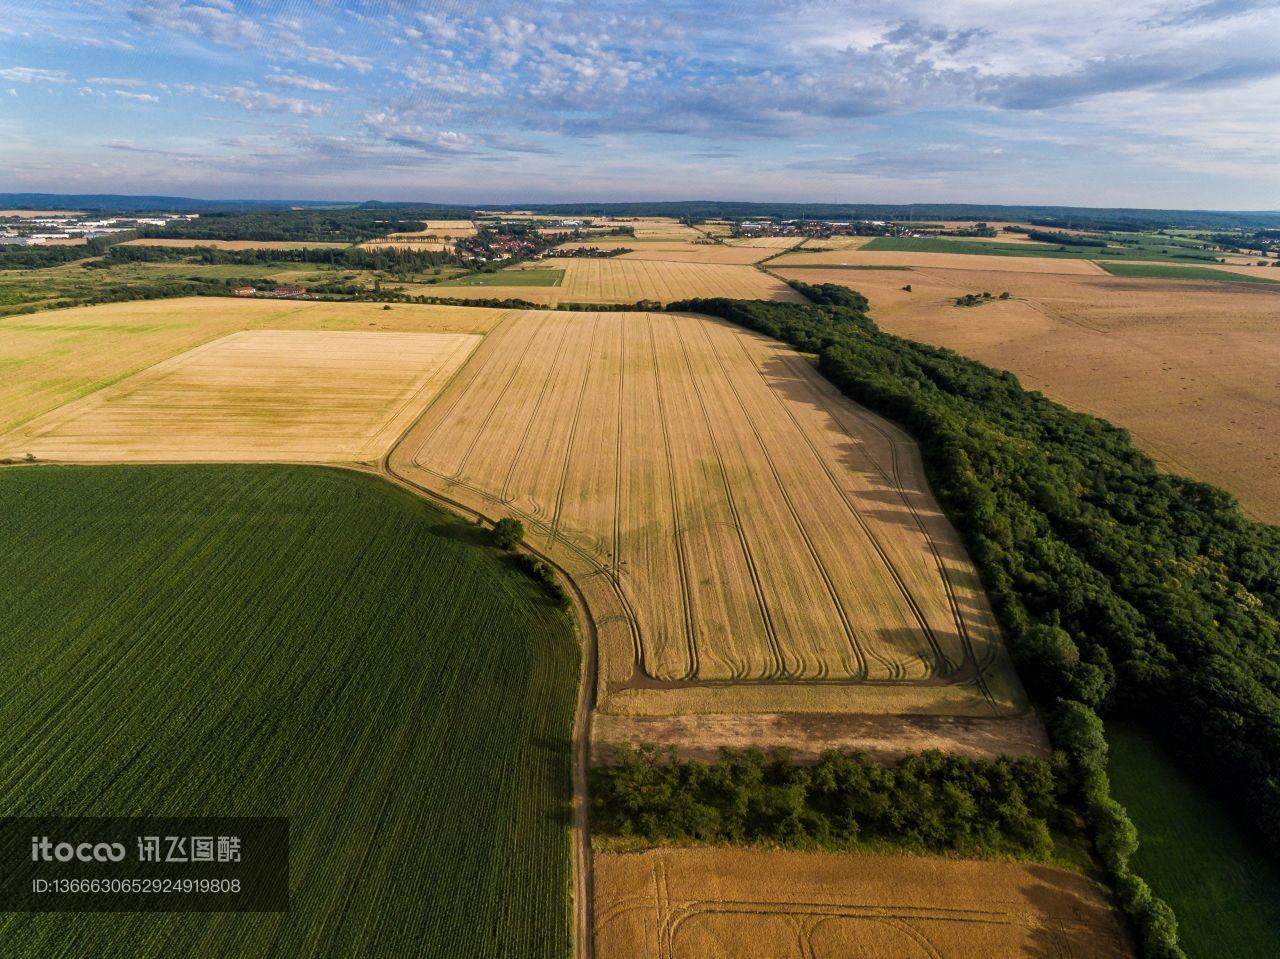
504, 497
690, 628
895, 482
573, 432
861, 670
947, 664
771, 633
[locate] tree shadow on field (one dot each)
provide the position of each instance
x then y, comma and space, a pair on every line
1069, 923
555, 757
461, 531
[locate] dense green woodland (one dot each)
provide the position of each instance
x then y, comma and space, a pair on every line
347, 224
296, 641
928, 802
1123, 590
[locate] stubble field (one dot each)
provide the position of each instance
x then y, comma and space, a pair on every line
746, 538
622, 280
724, 903
928, 259
50, 358
260, 395
1191, 368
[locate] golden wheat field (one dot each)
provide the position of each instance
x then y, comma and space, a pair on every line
746, 538
977, 262
53, 357
696, 253
259, 395
725, 903
426, 246
766, 242
1191, 368
623, 280
836, 243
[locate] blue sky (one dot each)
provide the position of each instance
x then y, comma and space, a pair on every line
1173, 103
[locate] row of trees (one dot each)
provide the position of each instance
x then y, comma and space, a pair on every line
927, 802
1122, 590
394, 260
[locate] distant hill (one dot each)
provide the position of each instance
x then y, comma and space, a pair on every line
117, 203
1112, 218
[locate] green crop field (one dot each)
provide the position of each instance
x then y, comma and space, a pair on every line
278, 640
1137, 251
510, 278
1225, 892
1169, 272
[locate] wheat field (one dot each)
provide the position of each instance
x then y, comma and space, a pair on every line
748, 903
624, 280
745, 537
259, 395
53, 357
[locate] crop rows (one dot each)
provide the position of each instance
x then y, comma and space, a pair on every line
288, 641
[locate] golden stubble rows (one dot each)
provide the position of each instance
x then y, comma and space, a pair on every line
624, 280
745, 536
732, 903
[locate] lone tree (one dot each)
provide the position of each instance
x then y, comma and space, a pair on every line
508, 533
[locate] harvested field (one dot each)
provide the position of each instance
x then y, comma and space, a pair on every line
239, 244
623, 280
426, 246
765, 242
810, 570
723, 903
262, 395
952, 261
438, 228
1191, 368
51, 358
807, 736
695, 253
837, 243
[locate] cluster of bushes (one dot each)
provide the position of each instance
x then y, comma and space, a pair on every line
1065, 239
928, 801
1122, 589
508, 534
974, 299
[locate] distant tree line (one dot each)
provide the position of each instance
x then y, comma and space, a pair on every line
346, 224
396, 260
929, 802
1122, 590
42, 256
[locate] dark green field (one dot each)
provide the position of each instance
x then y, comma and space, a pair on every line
1136, 251
510, 278
1226, 895
1162, 271
275, 640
